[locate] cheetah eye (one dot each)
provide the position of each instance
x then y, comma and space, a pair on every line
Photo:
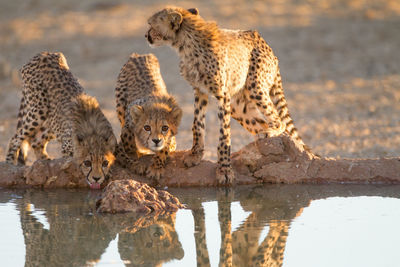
147, 128
87, 163
164, 128
105, 164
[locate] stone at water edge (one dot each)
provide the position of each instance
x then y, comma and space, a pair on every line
132, 196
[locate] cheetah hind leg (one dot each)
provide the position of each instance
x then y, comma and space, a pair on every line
274, 125
248, 115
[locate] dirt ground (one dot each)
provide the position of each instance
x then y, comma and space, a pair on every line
339, 60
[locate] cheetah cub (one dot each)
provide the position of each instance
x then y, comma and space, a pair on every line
149, 116
237, 67
53, 105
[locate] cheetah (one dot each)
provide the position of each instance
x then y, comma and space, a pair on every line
237, 67
243, 246
54, 106
151, 245
149, 116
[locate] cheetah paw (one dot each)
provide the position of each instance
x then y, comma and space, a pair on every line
191, 159
139, 166
155, 173
225, 175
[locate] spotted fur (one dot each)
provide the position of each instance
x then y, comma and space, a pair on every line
149, 116
54, 106
242, 247
237, 67
152, 245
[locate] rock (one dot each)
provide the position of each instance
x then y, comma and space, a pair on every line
57, 173
132, 196
277, 159
11, 175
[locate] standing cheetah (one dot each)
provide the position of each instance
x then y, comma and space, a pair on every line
149, 116
53, 105
237, 67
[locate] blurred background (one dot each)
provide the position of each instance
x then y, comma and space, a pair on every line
339, 60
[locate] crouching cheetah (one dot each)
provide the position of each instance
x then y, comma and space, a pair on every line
53, 105
149, 116
237, 67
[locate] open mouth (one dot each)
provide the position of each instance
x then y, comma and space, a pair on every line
153, 35
148, 36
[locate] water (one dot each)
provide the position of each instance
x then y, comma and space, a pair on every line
274, 225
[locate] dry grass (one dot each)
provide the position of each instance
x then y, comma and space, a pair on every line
339, 61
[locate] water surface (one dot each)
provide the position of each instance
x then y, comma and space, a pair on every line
272, 225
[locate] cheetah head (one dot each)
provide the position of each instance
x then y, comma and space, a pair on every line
165, 25
93, 141
160, 243
154, 125
94, 155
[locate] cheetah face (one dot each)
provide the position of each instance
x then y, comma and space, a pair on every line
160, 243
162, 28
154, 38
154, 126
96, 169
95, 157
165, 24
154, 135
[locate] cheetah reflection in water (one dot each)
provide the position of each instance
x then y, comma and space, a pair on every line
242, 247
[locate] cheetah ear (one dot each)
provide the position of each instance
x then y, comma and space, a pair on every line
194, 11
176, 114
175, 19
111, 141
136, 111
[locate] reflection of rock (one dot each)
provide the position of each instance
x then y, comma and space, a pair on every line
132, 196
271, 160
151, 245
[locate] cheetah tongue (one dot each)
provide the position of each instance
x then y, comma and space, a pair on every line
95, 186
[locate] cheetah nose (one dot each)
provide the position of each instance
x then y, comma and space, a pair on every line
156, 141
96, 179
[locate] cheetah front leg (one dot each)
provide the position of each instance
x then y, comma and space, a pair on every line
200, 107
156, 170
128, 155
225, 174
225, 222
39, 143
66, 144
